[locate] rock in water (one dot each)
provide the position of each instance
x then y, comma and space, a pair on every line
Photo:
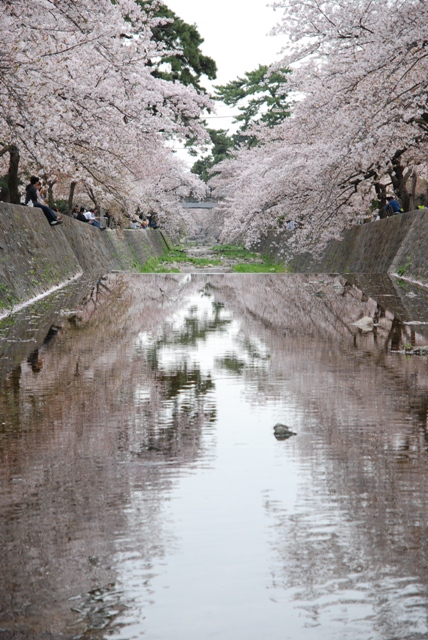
282, 432
365, 324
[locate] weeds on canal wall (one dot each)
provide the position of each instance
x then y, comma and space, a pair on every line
7, 298
401, 270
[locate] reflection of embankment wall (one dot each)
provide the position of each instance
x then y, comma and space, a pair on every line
361, 420
378, 247
35, 257
67, 429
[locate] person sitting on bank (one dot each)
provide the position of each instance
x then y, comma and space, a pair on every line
92, 218
392, 207
79, 214
85, 216
32, 195
56, 211
42, 197
151, 217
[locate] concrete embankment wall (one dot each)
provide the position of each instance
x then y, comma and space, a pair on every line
384, 246
35, 257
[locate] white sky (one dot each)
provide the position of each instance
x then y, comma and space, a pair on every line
235, 34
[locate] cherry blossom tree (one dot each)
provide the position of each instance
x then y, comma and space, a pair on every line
78, 96
359, 122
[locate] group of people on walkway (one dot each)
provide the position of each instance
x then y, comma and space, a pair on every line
34, 197
90, 216
147, 221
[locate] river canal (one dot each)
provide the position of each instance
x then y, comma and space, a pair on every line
144, 494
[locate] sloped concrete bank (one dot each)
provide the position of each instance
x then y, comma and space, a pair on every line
386, 246
35, 257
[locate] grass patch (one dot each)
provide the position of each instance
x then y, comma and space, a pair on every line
266, 267
179, 255
404, 267
153, 265
239, 253
176, 255
204, 262
235, 251
7, 299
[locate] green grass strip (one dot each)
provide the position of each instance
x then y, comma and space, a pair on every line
178, 255
153, 265
259, 268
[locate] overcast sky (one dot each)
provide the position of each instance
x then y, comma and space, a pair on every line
235, 32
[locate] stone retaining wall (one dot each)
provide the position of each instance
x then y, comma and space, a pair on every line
384, 246
35, 257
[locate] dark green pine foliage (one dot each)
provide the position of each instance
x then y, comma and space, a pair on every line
189, 64
223, 146
260, 97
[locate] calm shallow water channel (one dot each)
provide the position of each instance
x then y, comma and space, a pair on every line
143, 493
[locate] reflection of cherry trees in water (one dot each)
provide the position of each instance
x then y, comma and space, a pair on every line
178, 404
84, 448
185, 392
358, 539
124, 393
93, 425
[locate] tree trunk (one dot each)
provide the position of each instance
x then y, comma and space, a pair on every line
412, 199
70, 197
12, 176
92, 195
381, 196
51, 201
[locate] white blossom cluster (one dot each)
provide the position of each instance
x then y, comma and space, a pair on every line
359, 124
78, 100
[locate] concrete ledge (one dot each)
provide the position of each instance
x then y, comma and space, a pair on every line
377, 247
34, 257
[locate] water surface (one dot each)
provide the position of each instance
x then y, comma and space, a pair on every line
143, 493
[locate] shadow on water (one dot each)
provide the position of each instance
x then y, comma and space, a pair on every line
143, 492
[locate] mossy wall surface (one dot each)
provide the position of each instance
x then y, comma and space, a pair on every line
395, 244
35, 257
